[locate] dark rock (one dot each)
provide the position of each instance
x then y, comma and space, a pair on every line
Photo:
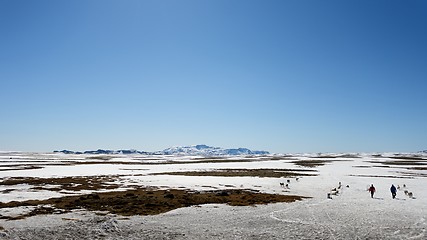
93, 196
223, 194
169, 195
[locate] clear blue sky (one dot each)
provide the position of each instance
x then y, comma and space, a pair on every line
282, 76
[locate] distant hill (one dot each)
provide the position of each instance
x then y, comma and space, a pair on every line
102, 151
193, 150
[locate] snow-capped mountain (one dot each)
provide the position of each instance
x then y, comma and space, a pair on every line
202, 150
208, 151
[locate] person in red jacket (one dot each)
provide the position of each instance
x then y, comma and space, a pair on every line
372, 190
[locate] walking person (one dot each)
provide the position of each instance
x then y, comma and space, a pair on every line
372, 190
393, 191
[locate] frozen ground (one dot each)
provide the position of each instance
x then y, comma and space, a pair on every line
351, 214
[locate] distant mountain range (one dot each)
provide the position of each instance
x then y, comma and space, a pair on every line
102, 151
202, 150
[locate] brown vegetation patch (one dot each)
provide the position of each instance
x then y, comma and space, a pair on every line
416, 158
19, 167
100, 157
338, 156
274, 173
349, 156
362, 166
324, 156
8, 191
215, 160
401, 162
380, 176
417, 168
148, 201
224, 160
280, 158
65, 183
383, 166
208, 158
412, 174
311, 163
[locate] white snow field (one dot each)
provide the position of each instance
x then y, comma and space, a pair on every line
351, 214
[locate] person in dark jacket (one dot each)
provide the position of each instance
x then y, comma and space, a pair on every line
372, 190
393, 191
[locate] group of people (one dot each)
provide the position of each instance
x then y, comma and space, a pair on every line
393, 191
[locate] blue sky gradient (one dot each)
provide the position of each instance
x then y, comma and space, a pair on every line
282, 76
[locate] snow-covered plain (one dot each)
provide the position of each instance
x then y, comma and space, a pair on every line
352, 214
